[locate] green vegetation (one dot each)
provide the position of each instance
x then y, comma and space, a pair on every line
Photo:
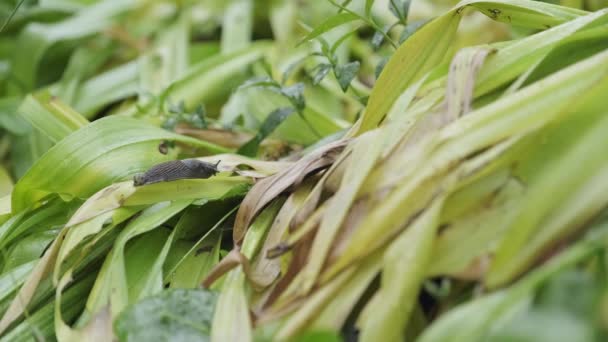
388, 170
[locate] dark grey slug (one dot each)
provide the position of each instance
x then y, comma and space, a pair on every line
176, 169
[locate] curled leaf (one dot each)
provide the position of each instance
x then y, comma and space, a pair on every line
267, 189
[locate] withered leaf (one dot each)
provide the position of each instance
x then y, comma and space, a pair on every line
269, 188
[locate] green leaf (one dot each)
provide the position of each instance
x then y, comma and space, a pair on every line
38, 38
474, 319
9, 118
83, 64
410, 29
217, 187
414, 58
6, 183
8, 19
27, 149
368, 7
346, 73
273, 120
103, 152
28, 249
295, 94
577, 194
50, 116
173, 315
377, 40
237, 25
216, 77
110, 86
322, 70
386, 316
318, 336
379, 67
400, 9
11, 280
330, 23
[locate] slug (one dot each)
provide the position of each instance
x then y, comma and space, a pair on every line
176, 169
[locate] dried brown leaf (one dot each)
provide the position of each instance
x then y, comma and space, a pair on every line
269, 188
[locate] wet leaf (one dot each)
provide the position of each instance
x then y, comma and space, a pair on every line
175, 314
346, 73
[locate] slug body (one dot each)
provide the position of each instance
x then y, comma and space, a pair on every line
176, 169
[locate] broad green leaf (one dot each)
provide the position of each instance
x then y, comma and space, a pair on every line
577, 194
175, 314
9, 118
112, 286
48, 216
215, 77
167, 61
336, 311
28, 249
475, 233
27, 149
511, 116
414, 58
427, 47
82, 65
473, 320
231, 318
217, 187
144, 258
237, 25
50, 116
387, 314
37, 38
532, 14
511, 60
12, 279
100, 153
194, 266
205, 252
108, 87
40, 323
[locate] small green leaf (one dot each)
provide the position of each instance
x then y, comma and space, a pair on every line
346, 73
338, 42
400, 9
321, 71
330, 23
295, 94
262, 81
377, 40
291, 68
173, 315
273, 121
